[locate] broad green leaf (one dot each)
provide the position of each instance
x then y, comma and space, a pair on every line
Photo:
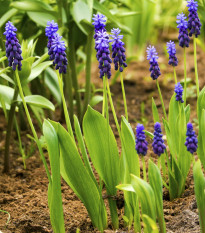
76, 175
26, 69
187, 112
7, 94
6, 77
155, 180
37, 70
42, 18
126, 187
54, 191
32, 5
96, 100
7, 16
146, 196
51, 80
41, 59
155, 111
82, 147
102, 149
199, 189
81, 11
39, 101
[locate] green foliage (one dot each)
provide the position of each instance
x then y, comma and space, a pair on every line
199, 188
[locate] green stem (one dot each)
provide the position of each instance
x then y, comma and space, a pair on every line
72, 62
175, 75
67, 118
113, 108
185, 74
104, 95
32, 126
113, 213
60, 5
9, 130
162, 102
144, 169
196, 70
124, 97
88, 72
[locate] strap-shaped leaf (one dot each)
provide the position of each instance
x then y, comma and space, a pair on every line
54, 190
102, 149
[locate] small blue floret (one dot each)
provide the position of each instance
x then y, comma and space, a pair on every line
191, 140
141, 143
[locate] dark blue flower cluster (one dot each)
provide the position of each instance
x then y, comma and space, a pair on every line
51, 30
179, 92
118, 50
191, 140
56, 47
183, 30
152, 56
172, 53
194, 23
57, 54
103, 54
99, 24
158, 143
141, 143
13, 48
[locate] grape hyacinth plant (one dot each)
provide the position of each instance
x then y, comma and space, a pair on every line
191, 140
13, 48
179, 92
158, 143
13, 53
194, 25
173, 61
152, 56
118, 53
50, 32
184, 40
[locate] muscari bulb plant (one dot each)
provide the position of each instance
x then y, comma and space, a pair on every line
143, 200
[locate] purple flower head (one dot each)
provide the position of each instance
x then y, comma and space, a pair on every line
183, 32
118, 50
51, 30
103, 54
13, 48
194, 23
179, 92
152, 56
99, 23
191, 140
57, 54
172, 53
158, 143
140, 142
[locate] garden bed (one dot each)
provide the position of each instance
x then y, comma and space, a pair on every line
23, 193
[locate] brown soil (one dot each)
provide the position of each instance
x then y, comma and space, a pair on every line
23, 193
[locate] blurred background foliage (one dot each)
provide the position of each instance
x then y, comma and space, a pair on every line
140, 21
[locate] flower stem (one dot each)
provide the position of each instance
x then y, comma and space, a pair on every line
185, 74
175, 75
196, 70
113, 109
124, 97
9, 130
32, 126
162, 102
144, 169
67, 118
104, 95
88, 72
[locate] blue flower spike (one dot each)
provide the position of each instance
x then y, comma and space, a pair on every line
158, 143
99, 24
141, 143
152, 56
13, 48
118, 50
51, 30
57, 54
194, 24
103, 54
183, 30
171, 49
179, 92
191, 140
